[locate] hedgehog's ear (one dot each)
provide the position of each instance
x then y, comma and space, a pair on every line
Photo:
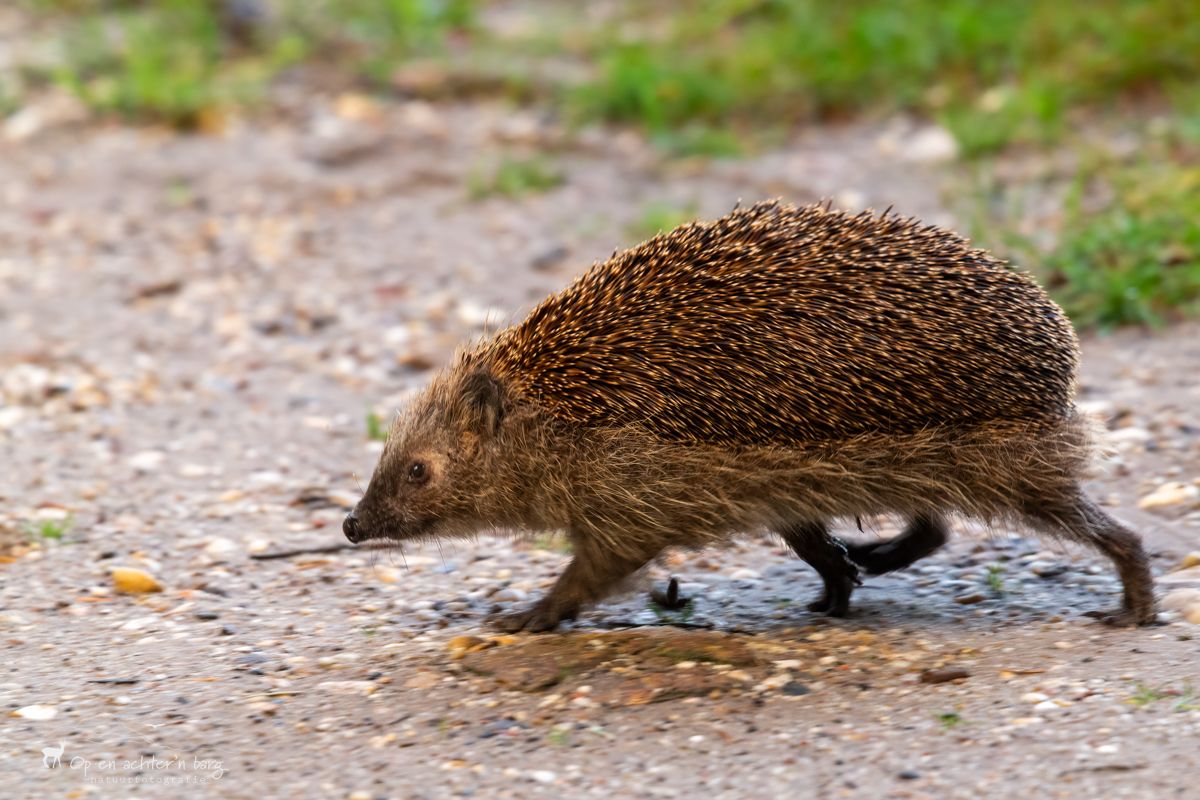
483, 402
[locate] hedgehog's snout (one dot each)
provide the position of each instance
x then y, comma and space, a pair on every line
351, 528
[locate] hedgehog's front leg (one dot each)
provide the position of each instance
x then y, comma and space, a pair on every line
594, 572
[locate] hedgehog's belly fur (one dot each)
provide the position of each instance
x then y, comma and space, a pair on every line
643, 491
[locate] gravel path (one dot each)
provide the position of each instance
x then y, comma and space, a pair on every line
192, 333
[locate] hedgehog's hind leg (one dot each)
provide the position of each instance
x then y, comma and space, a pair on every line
1080, 519
923, 536
812, 543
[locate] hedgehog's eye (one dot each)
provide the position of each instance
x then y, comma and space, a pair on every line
418, 472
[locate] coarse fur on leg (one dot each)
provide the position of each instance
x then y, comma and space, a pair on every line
1076, 517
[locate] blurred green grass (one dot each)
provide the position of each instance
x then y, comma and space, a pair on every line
513, 178
176, 61
1136, 259
723, 77
703, 76
996, 73
659, 217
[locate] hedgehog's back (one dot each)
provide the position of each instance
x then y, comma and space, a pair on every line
783, 325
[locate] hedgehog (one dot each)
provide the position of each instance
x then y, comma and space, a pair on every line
778, 370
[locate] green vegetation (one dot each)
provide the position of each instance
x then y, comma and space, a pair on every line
53, 529
552, 542
1185, 698
162, 62
720, 77
995, 578
703, 77
1137, 258
183, 61
672, 616
514, 177
377, 430
1145, 695
995, 73
1127, 247
950, 719
660, 217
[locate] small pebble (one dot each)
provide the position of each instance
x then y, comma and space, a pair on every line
944, 675
36, 713
509, 594
134, 581
1048, 569
1172, 493
744, 574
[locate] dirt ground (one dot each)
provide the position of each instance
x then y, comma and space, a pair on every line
192, 332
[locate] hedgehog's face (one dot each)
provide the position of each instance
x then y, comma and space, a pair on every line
430, 478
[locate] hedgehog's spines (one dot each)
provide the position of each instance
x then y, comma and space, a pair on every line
784, 325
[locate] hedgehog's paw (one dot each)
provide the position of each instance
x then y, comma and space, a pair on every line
833, 604
1126, 617
539, 617
834, 600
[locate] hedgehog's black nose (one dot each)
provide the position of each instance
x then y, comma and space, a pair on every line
350, 528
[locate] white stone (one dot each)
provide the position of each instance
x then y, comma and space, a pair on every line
36, 713
744, 574
1172, 493
10, 416
147, 460
138, 624
1180, 599
347, 687
1129, 436
219, 547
